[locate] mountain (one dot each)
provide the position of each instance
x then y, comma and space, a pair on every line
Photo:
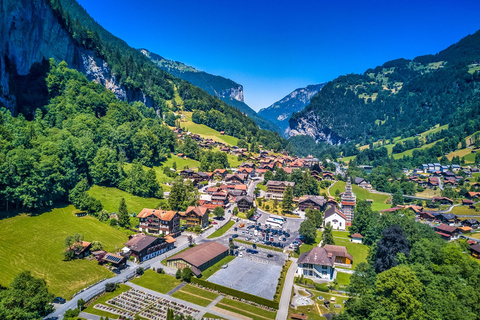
225, 89
279, 113
400, 98
33, 31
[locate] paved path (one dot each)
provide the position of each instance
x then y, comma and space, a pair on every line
214, 302
282, 312
180, 286
89, 316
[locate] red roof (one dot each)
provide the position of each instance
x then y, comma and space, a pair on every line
443, 234
357, 235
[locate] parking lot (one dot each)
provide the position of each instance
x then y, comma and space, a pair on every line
249, 276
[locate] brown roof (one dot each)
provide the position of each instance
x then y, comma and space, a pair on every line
140, 241
200, 254
338, 251
320, 200
357, 235
475, 247
169, 239
249, 199
317, 256
277, 183
240, 187
199, 211
160, 214
79, 247
444, 227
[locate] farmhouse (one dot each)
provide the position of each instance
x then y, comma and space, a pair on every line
275, 189
143, 247
475, 250
195, 216
312, 202
447, 232
472, 223
199, 258
244, 203
159, 221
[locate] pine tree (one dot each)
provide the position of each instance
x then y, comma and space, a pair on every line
123, 217
327, 235
287, 203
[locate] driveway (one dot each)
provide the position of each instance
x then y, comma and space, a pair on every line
282, 312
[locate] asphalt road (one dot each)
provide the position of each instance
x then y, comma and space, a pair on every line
282, 312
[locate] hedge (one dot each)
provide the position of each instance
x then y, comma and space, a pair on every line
236, 293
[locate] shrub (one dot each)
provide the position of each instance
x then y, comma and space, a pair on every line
321, 287
267, 207
110, 287
178, 275
140, 271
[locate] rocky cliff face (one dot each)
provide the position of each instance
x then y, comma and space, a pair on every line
311, 125
30, 33
234, 93
279, 113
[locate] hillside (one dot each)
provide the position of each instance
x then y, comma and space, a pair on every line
400, 98
225, 89
279, 112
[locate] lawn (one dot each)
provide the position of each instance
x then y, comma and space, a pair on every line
217, 266
222, 230
245, 309
379, 200
465, 210
357, 250
191, 298
310, 311
200, 292
343, 278
103, 299
158, 282
429, 193
211, 316
36, 243
233, 160
307, 247
460, 153
278, 211
111, 197
475, 235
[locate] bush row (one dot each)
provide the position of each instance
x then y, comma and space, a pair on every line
236, 293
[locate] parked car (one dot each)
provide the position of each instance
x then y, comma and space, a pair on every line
235, 228
235, 236
269, 255
254, 246
214, 222
59, 300
240, 255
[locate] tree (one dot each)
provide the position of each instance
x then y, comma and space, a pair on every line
187, 274
275, 203
235, 211
81, 304
170, 314
315, 216
362, 280
97, 246
268, 176
27, 298
287, 202
362, 218
178, 195
327, 236
219, 212
174, 165
231, 246
308, 231
392, 243
397, 198
190, 240
123, 216
178, 274
110, 287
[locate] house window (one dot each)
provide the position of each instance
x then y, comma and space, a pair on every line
324, 267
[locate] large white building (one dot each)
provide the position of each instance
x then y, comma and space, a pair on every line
319, 263
337, 219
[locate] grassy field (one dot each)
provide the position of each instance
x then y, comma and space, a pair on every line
343, 278
206, 132
211, 316
459, 153
357, 250
245, 309
475, 235
429, 193
36, 243
217, 266
312, 312
379, 200
222, 230
111, 197
195, 295
158, 282
465, 210
103, 299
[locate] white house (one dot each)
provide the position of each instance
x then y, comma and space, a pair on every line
357, 238
317, 263
337, 219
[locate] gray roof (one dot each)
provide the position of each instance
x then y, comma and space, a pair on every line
317, 256
320, 200
249, 199
277, 183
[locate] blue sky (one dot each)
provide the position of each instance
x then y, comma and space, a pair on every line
274, 47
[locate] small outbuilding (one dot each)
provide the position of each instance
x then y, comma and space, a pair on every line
357, 238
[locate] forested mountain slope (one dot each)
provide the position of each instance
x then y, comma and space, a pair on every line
400, 98
227, 90
34, 31
279, 112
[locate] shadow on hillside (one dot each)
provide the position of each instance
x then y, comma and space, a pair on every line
33, 212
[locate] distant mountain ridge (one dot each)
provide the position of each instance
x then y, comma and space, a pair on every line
279, 113
225, 89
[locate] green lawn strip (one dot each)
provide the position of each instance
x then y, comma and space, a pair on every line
217, 266
363, 194
191, 298
233, 160
357, 250
259, 245
164, 261
343, 278
222, 230
155, 281
281, 283
209, 133
200, 292
212, 316
36, 243
111, 197
237, 306
464, 210
103, 300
